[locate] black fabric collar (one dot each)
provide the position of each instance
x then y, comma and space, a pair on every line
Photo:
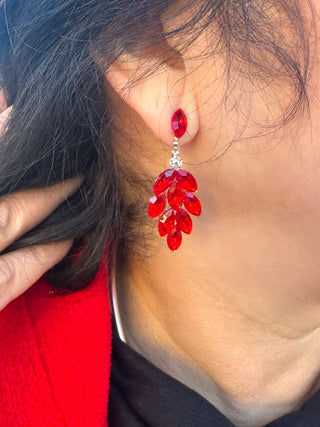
143, 395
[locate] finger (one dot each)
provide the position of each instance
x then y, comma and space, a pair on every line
19, 270
3, 102
23, 210
4, 116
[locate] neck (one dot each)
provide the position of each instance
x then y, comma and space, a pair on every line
251, 350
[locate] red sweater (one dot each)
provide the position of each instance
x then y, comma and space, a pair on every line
55, 357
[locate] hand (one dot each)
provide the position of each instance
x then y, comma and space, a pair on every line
19, 213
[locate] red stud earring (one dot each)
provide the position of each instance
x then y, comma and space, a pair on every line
175, 187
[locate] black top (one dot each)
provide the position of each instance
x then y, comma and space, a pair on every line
143, 395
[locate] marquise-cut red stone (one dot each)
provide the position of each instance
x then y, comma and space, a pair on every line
163, 181
175, 195
179, 123
184, 222
191, 203
167, 222
186, 180
174, 239
156, 205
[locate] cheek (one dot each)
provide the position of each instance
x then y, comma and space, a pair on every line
261, 218
254, 166
261, 178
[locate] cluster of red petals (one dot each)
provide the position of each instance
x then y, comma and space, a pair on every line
176, 187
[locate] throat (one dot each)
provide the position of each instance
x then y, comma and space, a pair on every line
245, 392
240, 364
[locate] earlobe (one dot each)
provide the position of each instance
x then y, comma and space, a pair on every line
155, 93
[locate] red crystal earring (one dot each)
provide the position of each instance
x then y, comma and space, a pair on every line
177, 187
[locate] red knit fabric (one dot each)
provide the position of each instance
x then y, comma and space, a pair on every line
55, 357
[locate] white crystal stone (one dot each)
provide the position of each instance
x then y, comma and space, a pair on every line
175, 162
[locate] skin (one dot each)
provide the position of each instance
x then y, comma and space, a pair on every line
235, 312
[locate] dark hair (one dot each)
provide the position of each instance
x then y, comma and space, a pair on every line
61, 124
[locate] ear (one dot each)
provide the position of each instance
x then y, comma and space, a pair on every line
155, 92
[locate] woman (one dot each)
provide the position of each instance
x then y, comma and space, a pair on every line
222, 331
